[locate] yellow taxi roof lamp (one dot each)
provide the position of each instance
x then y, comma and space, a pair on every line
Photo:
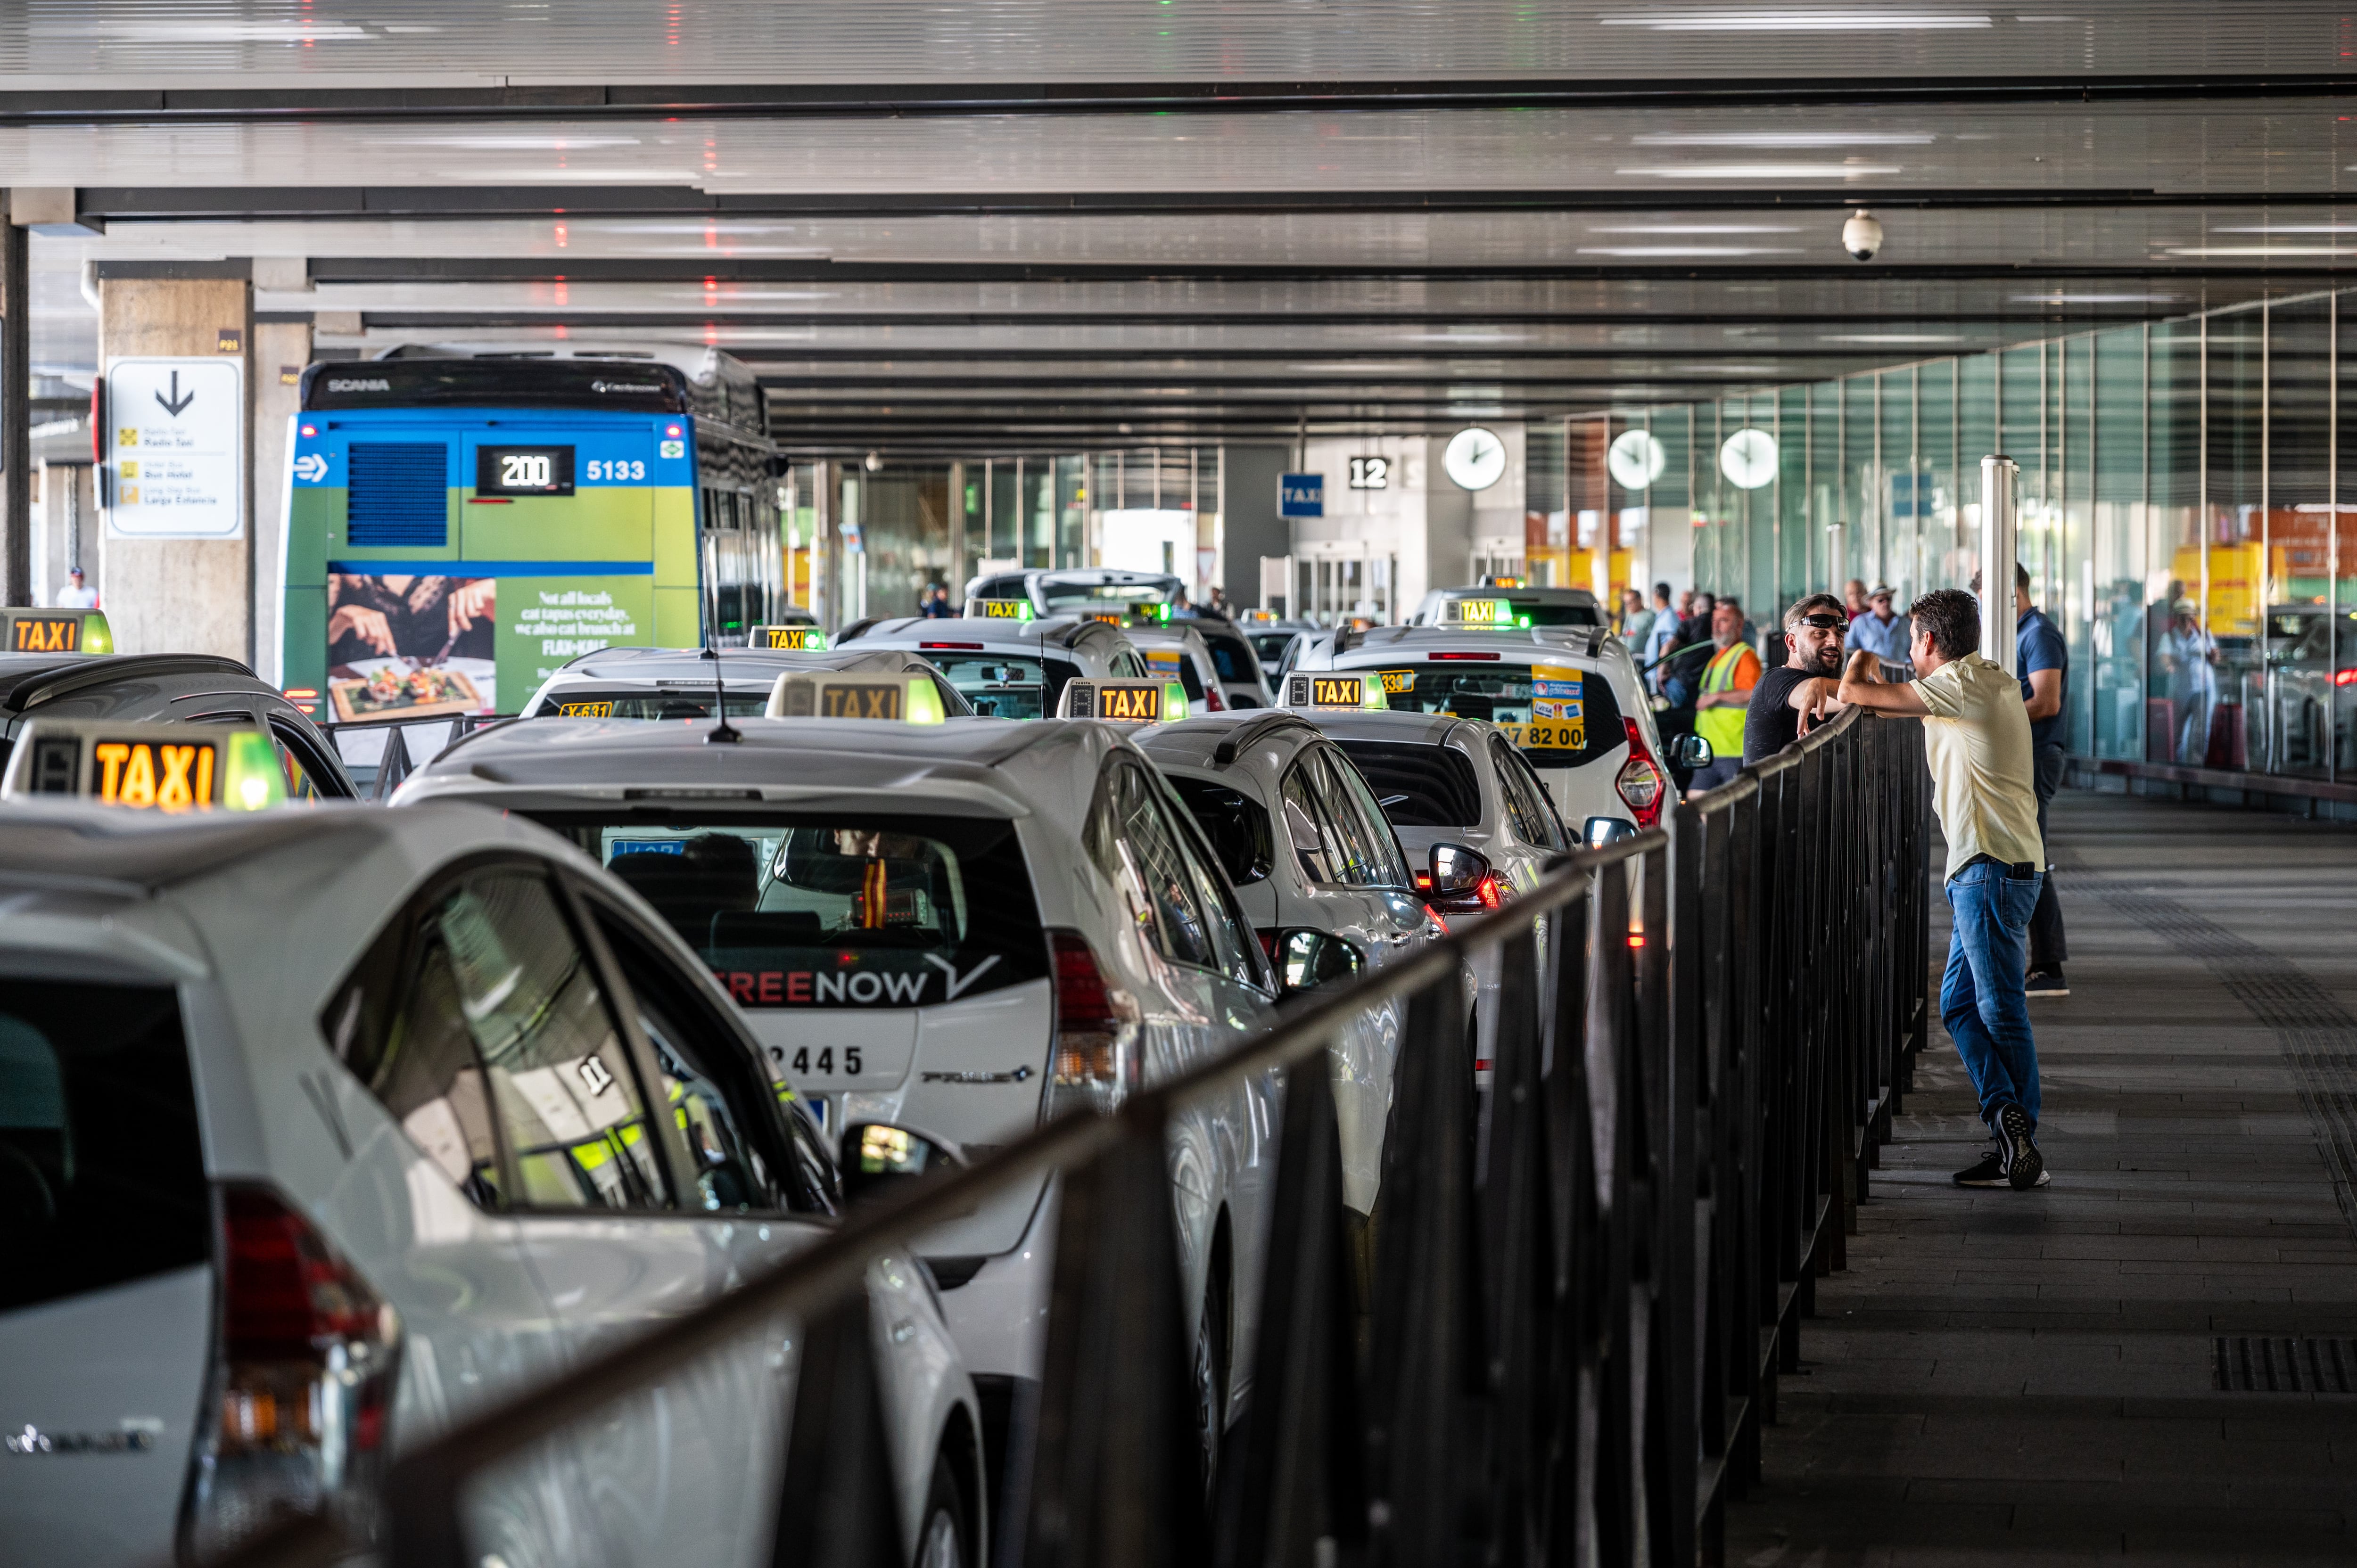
1315, 689
163, 768
1124, 702
999, 609
894, 699
804, 639
58, 631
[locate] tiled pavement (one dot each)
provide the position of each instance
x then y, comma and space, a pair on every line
2027, 1378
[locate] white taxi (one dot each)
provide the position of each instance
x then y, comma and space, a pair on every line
1509, 606
1179, 652
327, 1130
1322, 877
1008, 666
678, 683
1567, 696
959, 928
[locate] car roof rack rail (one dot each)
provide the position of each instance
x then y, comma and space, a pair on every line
1249, 732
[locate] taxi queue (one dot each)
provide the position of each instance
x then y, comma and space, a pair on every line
321, 1130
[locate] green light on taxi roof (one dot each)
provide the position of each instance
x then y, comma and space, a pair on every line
1174, 701
1162, 614
97, 637
1521, 620
252, 779
924, 701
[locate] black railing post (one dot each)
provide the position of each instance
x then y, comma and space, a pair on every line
835, 1507
1517, 1253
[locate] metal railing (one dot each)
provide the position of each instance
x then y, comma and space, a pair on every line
402, 746
1584, 1283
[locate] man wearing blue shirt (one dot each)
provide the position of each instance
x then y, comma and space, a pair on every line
1878, 631
2043, 661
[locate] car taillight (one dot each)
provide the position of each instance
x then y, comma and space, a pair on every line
302, 1379
1640, 782
1093, 1065
1487, 890
1212, 701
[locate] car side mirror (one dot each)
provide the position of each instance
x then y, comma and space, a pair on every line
1601, 831
1457, 870
1695, 752
877, 1155
1307, 960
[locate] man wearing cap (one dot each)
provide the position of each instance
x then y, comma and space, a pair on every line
78, 594
1878, 631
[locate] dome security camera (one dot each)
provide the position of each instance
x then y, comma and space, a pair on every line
1862, 235
874, 462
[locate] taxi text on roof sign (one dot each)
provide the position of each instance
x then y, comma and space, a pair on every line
998, 609
58, 632
1313, 691
807, 639
895, 699
168, 768
1482, 612
1124, 702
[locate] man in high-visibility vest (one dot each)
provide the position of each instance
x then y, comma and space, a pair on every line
1727, 684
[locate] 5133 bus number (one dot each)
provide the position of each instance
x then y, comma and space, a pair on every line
617, 469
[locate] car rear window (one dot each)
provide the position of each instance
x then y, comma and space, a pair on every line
1173, 664
1236, 824
1006, 685
1419, 786
1559, 715
798, 910
1231, 656
102, 1168
687, 703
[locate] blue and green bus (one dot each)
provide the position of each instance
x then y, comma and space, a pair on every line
458, 526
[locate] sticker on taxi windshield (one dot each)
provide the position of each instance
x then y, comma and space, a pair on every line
1398, 680
1124, 702
893, 699
802, 638
1558, 710
603, 710
998, 609
164, 768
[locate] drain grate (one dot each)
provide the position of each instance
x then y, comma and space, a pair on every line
2285, 1366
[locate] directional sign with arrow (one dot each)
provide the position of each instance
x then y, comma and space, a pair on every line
175, 447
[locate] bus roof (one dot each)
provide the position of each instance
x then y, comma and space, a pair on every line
669, 380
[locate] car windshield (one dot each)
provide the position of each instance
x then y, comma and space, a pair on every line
1559, 714
831, 911
676, 702
1006, 685
1419, 786
1231, 657
1058, 595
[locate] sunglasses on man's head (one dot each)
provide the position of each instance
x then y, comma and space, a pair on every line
1823, 620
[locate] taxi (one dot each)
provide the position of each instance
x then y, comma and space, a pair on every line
1059, 591
1323, 878
1178, 652
1567, 696
172, 688
961, 928
329, 1130
677, 683
1010, 666
1507, 605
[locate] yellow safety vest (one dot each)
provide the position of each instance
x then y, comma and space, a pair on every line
1723, 727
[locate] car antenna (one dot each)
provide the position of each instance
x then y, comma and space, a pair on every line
724, 733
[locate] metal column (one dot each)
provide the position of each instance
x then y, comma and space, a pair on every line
15, 412
2000, 501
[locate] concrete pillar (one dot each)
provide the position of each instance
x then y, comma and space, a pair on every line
281, 349
956, 575
180, 596
826, 603
15, 412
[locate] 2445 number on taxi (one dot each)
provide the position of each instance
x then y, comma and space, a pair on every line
822, 1061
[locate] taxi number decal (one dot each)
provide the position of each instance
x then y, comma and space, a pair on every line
1005, 609
824, 1064
46, 634
584, 710
144, 775
1337, 690
868, 700
1130, 703
1482, 612
1548, 735
1399, 679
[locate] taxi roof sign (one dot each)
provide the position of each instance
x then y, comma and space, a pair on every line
1311, 689
1482, 611
57, 631
1124, 702
163, 768
894, 699
999, 609
803, 638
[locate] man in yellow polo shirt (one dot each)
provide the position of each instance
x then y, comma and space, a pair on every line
1720, 710
1984, 786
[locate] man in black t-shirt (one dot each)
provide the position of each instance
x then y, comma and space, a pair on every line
1799, 693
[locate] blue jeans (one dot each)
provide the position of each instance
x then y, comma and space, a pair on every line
1981, 999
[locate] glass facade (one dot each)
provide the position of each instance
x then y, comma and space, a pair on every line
2181, 516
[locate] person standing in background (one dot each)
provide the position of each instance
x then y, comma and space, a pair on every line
1726, 685
1880, 631
77, 595
1976, 740
1854, 597
1636, 620
2043, 661
1664, 632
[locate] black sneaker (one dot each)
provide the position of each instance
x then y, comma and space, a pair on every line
2048, 985
2024, 1165
1990, 1172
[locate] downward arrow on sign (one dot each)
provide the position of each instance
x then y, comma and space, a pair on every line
179, 399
